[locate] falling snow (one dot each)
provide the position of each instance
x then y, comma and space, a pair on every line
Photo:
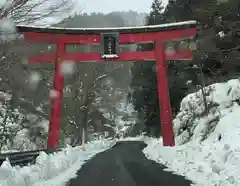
221, 34
193, 46
54, 94
170, 51
67, 68
7, 29
34, 79
25, 61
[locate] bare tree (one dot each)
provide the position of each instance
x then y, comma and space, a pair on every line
29, 11
84, 94
13, 75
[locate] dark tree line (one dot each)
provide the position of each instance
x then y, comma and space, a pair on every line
217, 57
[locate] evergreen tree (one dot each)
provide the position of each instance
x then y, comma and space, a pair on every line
216, 58
144, 81
156, 14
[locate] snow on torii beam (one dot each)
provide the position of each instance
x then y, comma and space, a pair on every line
159, 34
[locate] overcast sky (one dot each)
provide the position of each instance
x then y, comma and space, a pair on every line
107, 6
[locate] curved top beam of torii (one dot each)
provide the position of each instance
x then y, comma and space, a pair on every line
120, 30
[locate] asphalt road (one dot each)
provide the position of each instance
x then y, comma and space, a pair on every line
125, 165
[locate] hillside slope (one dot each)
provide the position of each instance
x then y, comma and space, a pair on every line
208, 150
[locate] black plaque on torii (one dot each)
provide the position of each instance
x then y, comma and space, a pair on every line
110, 45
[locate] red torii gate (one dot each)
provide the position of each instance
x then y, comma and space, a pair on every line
110, 39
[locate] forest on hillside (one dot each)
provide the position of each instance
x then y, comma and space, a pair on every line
95, 95
215, 60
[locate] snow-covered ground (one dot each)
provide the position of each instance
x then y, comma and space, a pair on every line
54, 169
15, 128
208, 149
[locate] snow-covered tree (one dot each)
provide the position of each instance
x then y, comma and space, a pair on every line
20, 129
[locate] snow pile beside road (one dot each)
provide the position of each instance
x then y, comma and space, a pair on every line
51, 170
195, 121
209, 150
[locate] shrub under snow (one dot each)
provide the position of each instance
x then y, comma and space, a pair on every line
195, 120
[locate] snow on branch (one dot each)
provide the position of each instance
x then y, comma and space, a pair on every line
31, 11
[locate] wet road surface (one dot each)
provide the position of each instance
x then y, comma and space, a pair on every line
125, 165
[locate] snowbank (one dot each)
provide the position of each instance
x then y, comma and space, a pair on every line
194, 121
137, 138
51, 170
209, 153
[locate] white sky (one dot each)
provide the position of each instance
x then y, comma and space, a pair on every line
107, 6
104, 6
